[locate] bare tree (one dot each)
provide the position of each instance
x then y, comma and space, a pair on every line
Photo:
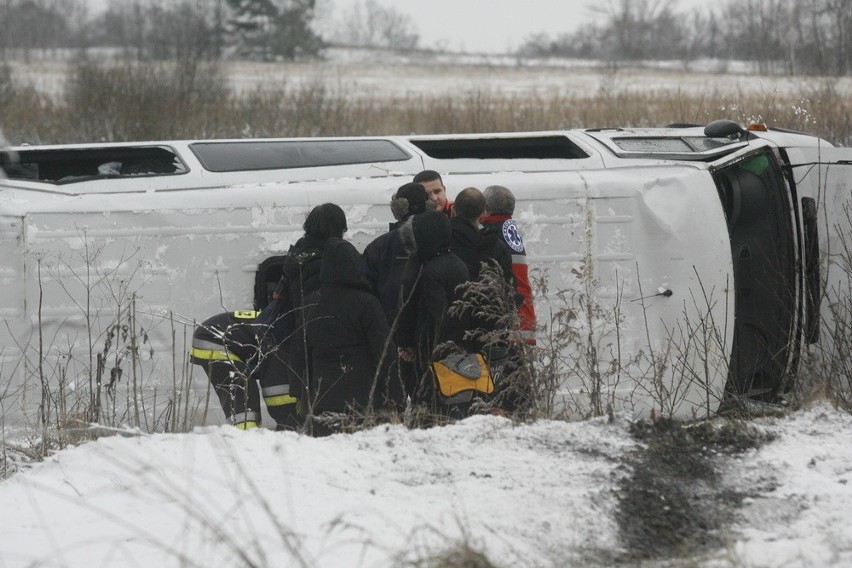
5, 27
753, 29
840, 30
182, 30
370, 24
32, 24
642, 29
163, 29
779, 36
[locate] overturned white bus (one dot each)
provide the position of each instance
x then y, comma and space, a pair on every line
677, 268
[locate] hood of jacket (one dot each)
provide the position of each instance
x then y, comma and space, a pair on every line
307, 248
342, 265
427, 235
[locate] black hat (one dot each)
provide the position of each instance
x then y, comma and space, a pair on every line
410, 199
431, 232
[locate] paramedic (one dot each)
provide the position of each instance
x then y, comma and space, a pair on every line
499, 208
513, 376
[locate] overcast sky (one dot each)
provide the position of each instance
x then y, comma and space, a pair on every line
491, 25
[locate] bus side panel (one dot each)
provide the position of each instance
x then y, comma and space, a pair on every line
95, 278
14, 326
128, 287
633, 271
636, 263
12, 255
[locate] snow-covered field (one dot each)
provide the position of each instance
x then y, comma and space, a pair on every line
545, 494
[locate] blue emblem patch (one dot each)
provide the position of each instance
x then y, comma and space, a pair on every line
512, 236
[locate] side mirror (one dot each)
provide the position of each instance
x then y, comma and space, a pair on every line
725, 129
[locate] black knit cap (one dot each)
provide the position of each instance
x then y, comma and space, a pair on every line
410, 199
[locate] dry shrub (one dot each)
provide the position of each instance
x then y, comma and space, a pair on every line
25, 113
138, 100
462, 556
129, 100
433, 547
279, 111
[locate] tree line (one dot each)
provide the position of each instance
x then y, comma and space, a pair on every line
779, 36
163, 29
263, 30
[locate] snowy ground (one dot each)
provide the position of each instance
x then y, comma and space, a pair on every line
546, 494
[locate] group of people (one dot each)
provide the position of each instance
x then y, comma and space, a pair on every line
349, 334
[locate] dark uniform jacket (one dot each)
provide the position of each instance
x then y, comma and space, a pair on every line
346, 336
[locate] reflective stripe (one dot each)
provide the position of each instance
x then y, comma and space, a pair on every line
246, 425
204, 344
524, 335
519, 259
280, 400
275, 390
213, 355
246, 314
245, 417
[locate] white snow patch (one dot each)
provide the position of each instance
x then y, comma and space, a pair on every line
529, 495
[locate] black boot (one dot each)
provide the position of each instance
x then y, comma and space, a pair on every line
286, 416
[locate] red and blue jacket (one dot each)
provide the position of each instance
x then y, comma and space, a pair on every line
506, 227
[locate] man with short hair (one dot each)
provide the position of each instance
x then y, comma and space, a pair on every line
499, 208
431, 180
472, 245
514, 390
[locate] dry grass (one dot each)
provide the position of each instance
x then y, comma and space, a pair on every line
132, 101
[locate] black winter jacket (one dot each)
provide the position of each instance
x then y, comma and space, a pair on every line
300, 278
302, 268
386, 260
432, 283
475, 246
346, 336
487, 311
296, 289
